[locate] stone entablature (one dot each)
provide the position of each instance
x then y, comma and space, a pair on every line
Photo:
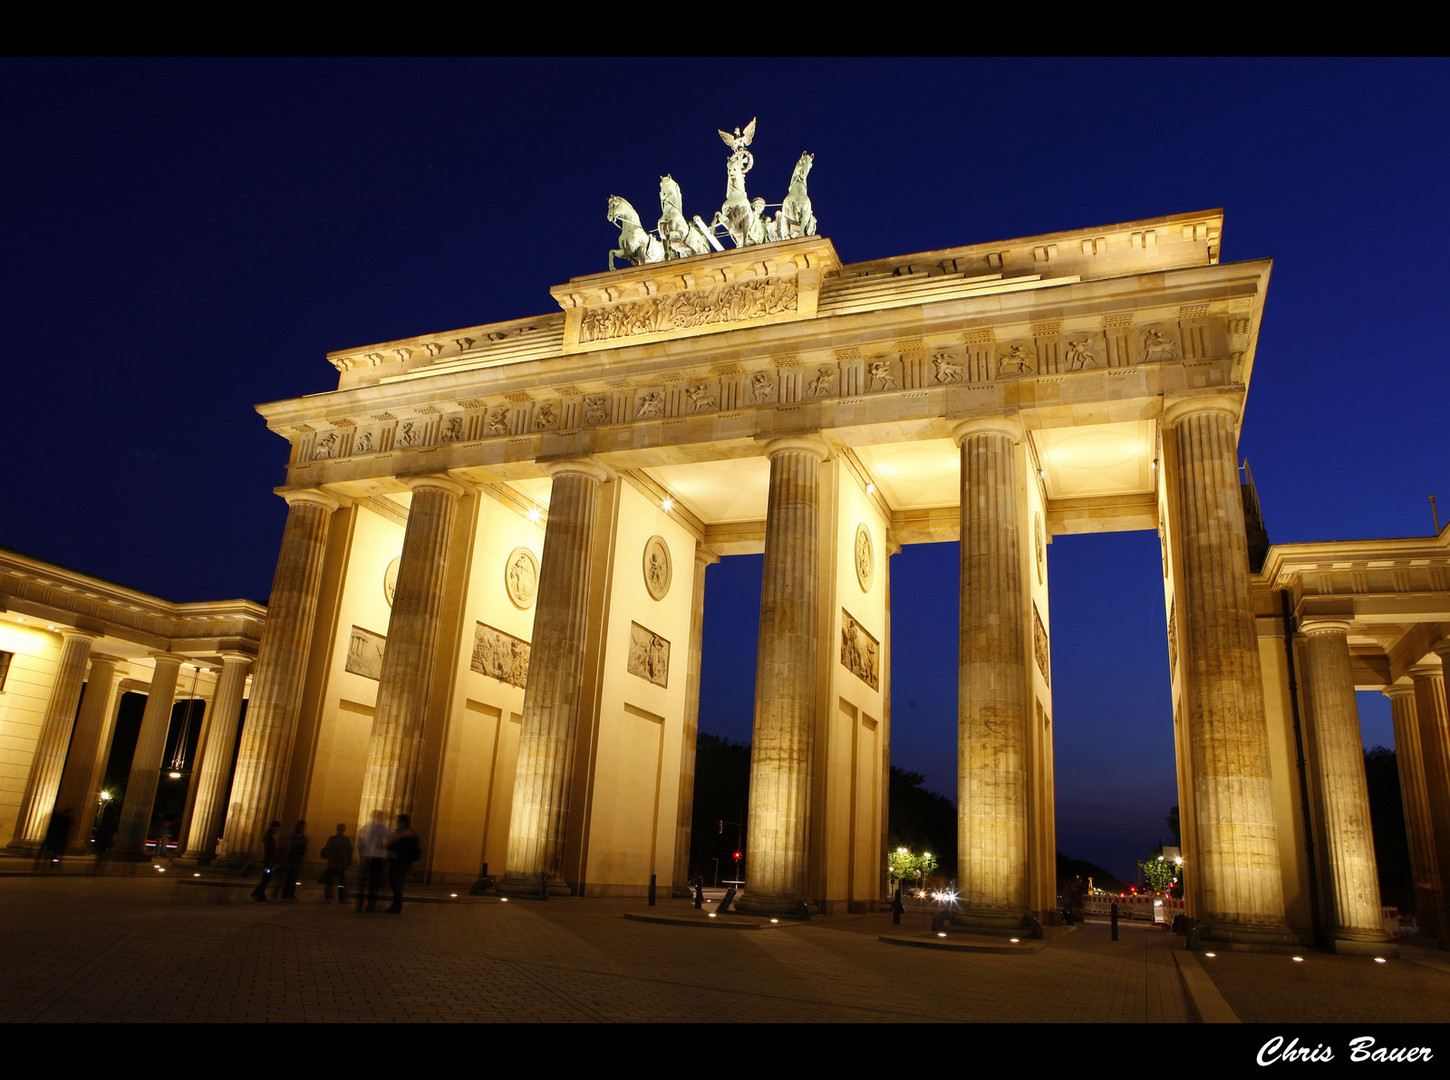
1393, 596
56, 595
1109, 347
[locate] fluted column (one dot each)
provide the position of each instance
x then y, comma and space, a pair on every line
277, 686
410, 657
992, 708
1431, 712
1353, 881
43, 780
782, 754
1410, 763
549, 732
146, 760
80, 782
884, 877
208, 809
685, 809
1240, 886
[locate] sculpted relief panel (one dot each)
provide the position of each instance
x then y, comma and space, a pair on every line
737, 301
365, 653
860, 652
500, 656
649, 655
1039, 645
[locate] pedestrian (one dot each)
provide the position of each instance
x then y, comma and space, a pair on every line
57, 832
405, 851
338, 853
372, 849
269, 860
292, 862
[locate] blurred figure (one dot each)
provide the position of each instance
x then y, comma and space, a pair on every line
338, 853
405, 851
372, 848
57, 832
292, 861
269, 860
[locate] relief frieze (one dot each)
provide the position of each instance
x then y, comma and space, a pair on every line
736, 301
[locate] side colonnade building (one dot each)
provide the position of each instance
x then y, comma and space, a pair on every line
488, 604
71, 647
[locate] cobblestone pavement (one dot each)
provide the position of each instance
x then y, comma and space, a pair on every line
153, 949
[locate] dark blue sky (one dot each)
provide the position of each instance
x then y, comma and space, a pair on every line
186, 239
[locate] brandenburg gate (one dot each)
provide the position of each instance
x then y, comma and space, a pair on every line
487, 608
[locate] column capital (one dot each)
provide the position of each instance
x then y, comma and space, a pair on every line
1011, 426
1426, 669
801, 444
1402, 688
236, 656
1178, 407
704, 556
1323, 624
1441, 649
314, 496
433, 482
589, 467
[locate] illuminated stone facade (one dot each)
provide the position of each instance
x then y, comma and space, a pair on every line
487, 609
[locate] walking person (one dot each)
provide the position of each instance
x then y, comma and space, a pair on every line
269, 860
338, 853
372, 848
405, 851
292, 862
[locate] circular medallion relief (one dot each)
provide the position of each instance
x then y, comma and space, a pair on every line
865, 559
390, 579
521, 576
1037, 545
657, 570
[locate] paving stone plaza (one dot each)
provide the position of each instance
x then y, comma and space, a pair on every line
119, 949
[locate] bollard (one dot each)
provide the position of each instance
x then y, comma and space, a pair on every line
652, 889
726, 902
897, 907
543, 886
699, 893
1114, 913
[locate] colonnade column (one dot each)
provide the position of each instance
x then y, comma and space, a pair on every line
992, 706
281, 669
1429, 902
684, 815
146, 761
782, 754
1431, 712
80, 782
410, 657
1239, 885
549, 732
208, 809
41, 784
1356, 924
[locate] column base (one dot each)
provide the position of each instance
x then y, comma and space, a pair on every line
526, 887
994, 922
789, 906
1243, 937
1357, 946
